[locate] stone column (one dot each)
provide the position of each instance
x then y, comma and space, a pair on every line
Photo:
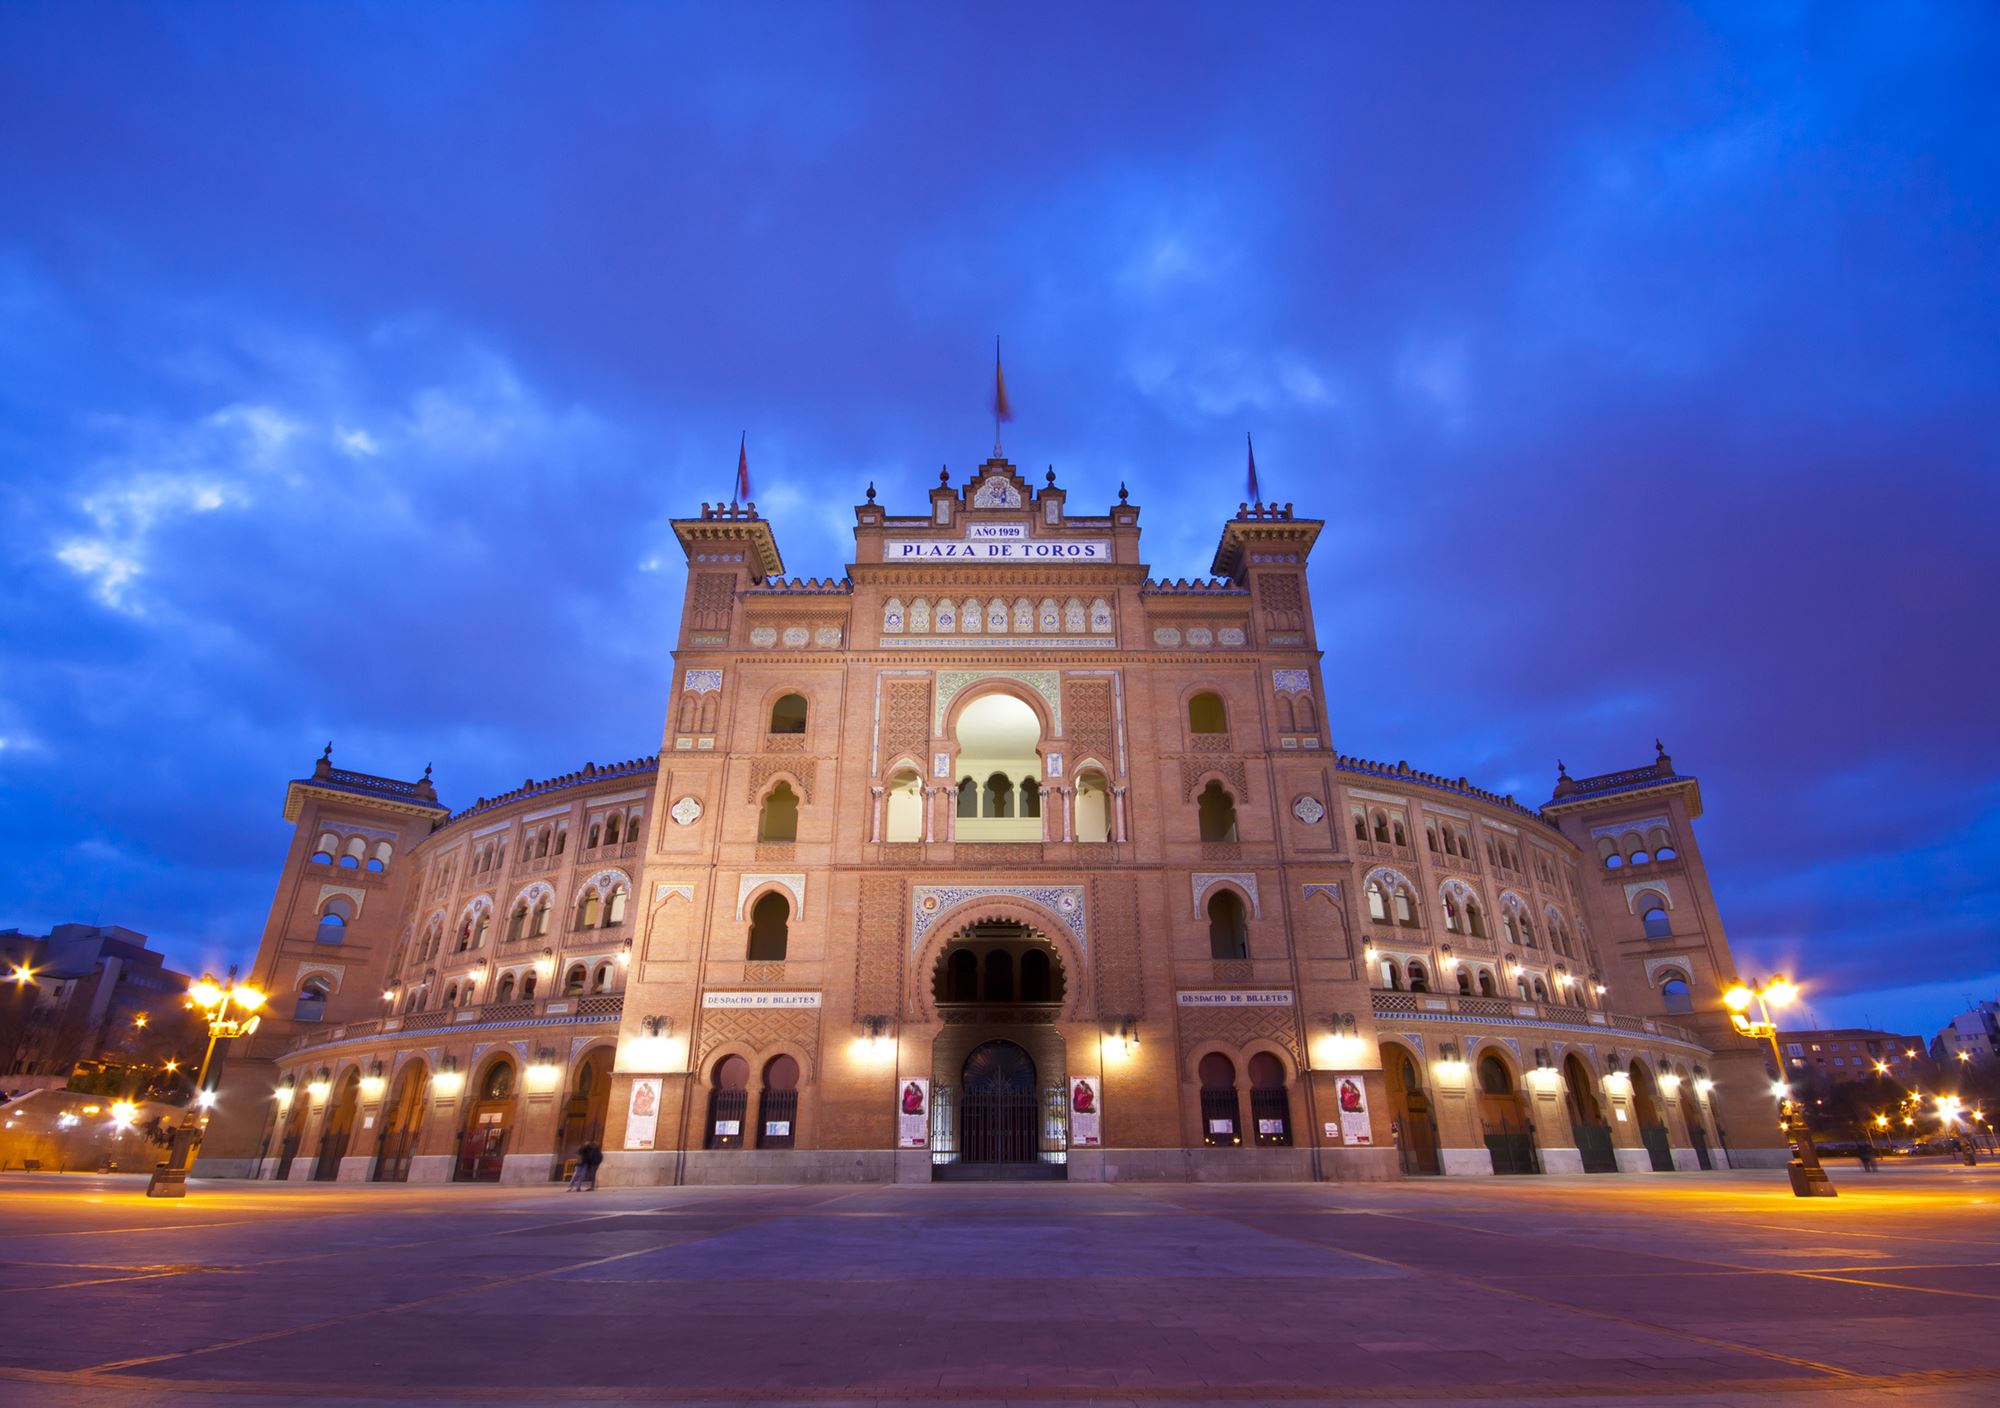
875, 790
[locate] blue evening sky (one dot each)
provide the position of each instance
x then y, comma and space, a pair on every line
1642, 360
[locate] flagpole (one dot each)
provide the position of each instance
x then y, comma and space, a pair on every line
996, 395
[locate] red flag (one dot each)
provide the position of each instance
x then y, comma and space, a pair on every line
1255, 497
1002, 410
743, 471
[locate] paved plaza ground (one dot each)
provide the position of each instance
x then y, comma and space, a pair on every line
1661, 1289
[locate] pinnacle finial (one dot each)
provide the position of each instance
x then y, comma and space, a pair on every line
328, 754
1121, 491
427, 772
944, 474
1052, 474
1659, 748
871, 491
1561, 771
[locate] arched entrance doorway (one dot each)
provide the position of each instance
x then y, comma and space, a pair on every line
1690, 1103
1586, 1118
728, 1103
339, 1129
583, 1111
998, 1110
1652, 1122
482, 1145
292, 1135
402, 1121
998, 1104
1410, 1109
1503, 1115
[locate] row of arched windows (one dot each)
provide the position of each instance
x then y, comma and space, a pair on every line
352, 852
999, 796
1470, 979
971, 616
1390, 901
1635, 849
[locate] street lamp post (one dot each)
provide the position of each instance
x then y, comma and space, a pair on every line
215, 1001
1809, 1180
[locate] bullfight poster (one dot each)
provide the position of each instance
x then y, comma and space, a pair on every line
1083, 1113
1353, 1098
913, 1113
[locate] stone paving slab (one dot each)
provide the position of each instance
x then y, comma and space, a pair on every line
1672, 1289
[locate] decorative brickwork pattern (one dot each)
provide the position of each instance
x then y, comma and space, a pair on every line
1230, 770
1116, 903
1238, 1026
1283, 603
906, 720
712, 600
760, 1030
804, 770
878, 947
1090, 727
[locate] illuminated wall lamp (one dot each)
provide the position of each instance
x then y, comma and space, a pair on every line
285, 1093
1124, 1038
1451, 1062
544, 1074
875, 1040
373, 1084
625, 954
449, 1079
320, 1085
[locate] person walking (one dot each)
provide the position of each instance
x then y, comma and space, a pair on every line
1867, 1152
583, 1177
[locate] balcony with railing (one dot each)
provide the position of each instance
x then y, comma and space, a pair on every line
1486, 1009
558, 1009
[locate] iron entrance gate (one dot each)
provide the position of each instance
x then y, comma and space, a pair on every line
1593, 1141
1662, 1153
1513, 1149
999, 1120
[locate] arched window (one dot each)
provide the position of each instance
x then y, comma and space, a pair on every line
356, 852
1219, 1109
779, 819
1382, 826
998, 799
1206, 714
313, 993
1037, 977
1658, 925
1420, 981
961, 976
1093, 807
614, 908
1676, 994
611, 829
788, 715
328, 844
333, 921
1508, 927
1392, 975
586, 910
728, 1103
770, 928
1541, 991
1475, 919
1609, 854
379, 862
1378, 903
1486, 987
505, 992
778, 1105
541, 924
1494, 1078
480, 930
1406, 909
499, 1082
999, 976
528, 982
574, 980
905, 805
517, 922
1031, 796
1228, 935
1464, 981
1451, 923
1217, 813
968, 797
1360, 825
602, 980
1270, 1110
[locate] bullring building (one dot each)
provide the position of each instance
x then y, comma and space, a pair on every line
998, 856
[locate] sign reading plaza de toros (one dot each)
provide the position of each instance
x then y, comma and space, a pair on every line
996, 542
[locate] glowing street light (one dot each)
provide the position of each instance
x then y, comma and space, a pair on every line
216, 1002
1809, 1180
